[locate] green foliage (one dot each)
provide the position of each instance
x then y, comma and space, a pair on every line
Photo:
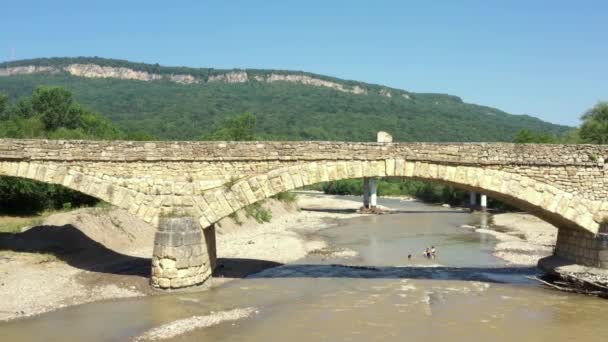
49, 113
594, 129
258, 212
344, 187
284, 110
3, 105
52, 113
235, 218
438, 193
139, 136
528, 136
425, 191
17, 127
571, 137
21, 196
240, 128
15, 224
232, 181
286, 197
23, 108
56, 108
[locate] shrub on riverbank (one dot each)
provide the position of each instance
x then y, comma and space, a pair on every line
286, 197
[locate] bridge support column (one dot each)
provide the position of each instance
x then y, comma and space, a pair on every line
365, 192
370, 189
472, 199
183, 255
484, 202
373, 190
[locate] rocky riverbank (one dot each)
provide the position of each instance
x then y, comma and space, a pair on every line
527, 240
104, 253
523, 238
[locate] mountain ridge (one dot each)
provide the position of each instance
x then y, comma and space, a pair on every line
96, 67
186, 103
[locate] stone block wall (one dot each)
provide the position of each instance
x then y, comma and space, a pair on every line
583, 247
180, 257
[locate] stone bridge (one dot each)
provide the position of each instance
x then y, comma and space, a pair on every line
184, 186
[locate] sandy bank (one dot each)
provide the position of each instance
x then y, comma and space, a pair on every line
72, 258
95, 254
524, 238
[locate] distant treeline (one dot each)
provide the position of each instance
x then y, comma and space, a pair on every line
425, 191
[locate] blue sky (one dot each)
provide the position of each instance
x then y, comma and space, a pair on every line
544, 58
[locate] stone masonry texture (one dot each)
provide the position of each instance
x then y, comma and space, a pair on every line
565, 185
180, 256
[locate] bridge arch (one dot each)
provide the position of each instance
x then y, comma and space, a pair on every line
562, 209
70, 176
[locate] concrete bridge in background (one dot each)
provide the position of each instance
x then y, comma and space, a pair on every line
185, 187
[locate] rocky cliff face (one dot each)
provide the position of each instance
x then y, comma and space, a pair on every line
230, 77
25, 70
307, 80
96, 71
240, 76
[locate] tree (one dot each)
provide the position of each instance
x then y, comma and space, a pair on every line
526, 136
23, 108
240, 128
3, 105
595, 124
56, 107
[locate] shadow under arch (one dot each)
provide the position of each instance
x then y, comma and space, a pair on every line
71, 245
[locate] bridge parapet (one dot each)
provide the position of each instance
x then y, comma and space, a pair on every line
459, 153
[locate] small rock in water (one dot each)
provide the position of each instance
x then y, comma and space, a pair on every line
445, 205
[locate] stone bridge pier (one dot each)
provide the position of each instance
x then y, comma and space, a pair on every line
582, 247
184, 188
184, 254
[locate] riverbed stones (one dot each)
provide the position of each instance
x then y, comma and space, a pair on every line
180, 257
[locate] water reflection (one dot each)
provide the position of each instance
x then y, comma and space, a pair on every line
483, 220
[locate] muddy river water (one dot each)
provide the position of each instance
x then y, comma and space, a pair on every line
465, 294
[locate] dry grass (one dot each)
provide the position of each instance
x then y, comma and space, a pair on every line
16, 224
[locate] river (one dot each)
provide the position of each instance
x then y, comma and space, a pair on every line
379, 294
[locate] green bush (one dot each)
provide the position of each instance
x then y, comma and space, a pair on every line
286, 197
258, 212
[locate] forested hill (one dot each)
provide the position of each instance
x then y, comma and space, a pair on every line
187, 103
